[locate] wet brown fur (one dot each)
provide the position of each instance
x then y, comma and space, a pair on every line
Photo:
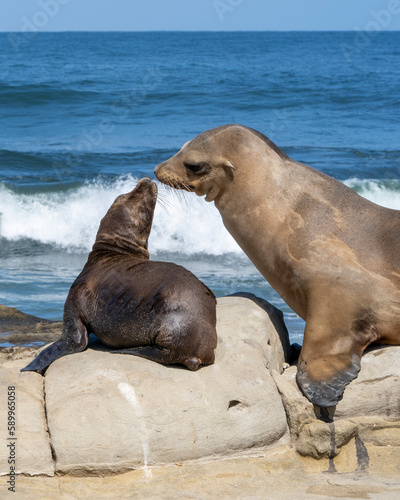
156, 310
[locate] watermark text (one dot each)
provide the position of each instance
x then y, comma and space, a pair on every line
11, 438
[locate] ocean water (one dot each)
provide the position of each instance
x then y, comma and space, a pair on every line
84, 116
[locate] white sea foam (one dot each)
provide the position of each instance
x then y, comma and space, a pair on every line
385, 192
182, 221
70, 219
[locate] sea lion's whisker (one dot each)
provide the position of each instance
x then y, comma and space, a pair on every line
170, 192
181, 197
166, 202
165, 205
177, 195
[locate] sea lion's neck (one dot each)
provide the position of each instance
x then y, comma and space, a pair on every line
261, 202
260, 185
119, 246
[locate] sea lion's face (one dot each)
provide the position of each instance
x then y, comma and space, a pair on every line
200, 166
130, 217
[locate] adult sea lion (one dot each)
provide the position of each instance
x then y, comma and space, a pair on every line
332, 255
156, 310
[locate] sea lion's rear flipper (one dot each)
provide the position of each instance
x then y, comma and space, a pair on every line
152, 352
74, 339
161, 355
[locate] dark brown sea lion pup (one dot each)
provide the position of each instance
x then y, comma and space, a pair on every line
156, 310
333, 256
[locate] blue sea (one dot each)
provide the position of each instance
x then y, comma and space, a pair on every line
83, 116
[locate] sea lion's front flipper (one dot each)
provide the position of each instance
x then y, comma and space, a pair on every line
330, 357
334, 341
74, 339
324, 378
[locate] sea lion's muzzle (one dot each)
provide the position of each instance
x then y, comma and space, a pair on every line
167, 175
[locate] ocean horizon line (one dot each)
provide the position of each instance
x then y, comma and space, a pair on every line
202, 31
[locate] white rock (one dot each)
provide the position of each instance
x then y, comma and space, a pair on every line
113, 412
376, 390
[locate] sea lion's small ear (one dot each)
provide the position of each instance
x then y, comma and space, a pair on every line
229, 165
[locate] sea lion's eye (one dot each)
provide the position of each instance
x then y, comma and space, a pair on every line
197, 168
192, 167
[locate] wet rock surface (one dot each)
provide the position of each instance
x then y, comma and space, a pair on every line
18, 328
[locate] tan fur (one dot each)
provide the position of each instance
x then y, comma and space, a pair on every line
332, 255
